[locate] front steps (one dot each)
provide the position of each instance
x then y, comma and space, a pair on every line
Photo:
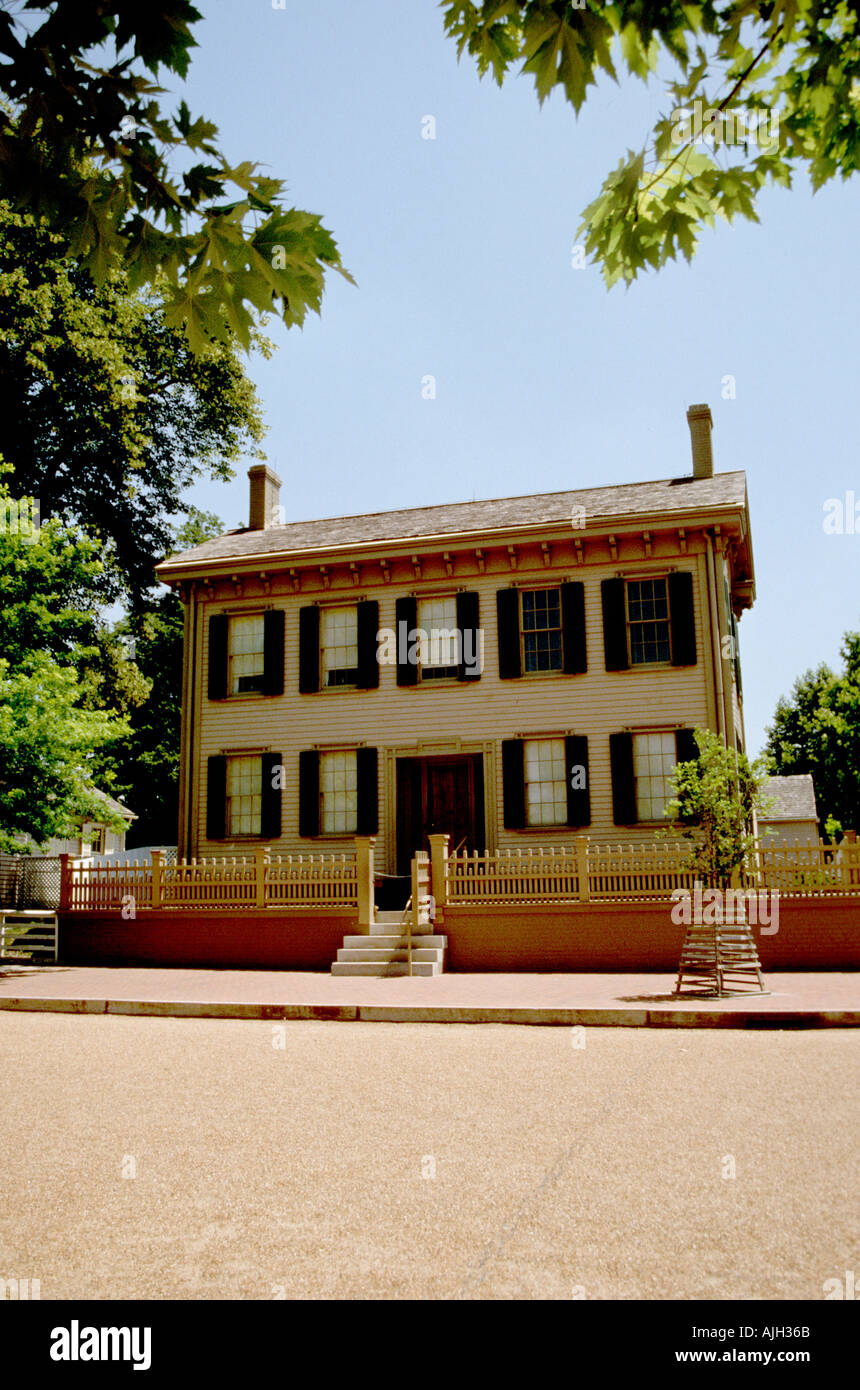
385, 951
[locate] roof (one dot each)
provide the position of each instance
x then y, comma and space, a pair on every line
670, 496
101, 801
792, 798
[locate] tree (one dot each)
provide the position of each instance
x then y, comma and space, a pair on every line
817, 730
763, 89
87, 149
715, 796
48, 749
114, 415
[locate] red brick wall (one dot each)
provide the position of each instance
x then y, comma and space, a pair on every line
814, 934
240, 938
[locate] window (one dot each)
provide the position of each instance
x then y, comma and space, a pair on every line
654, 759
541, 630
339, 793
246, 654
97, 839
648, 621
244, 796
439, 649
339, 645
546, 783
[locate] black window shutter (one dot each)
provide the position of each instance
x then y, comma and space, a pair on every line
578, 798
368, 633
468, 621
508, 612
406, 612
614, 624
682, 619
216, 799
219, 627
623, 780
309, 650
685, 746
573, 628
270, 799
513, 783
273, 652
366, 768
736, 657
309, 792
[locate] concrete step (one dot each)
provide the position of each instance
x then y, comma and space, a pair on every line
369, 954
395, 943
381, 969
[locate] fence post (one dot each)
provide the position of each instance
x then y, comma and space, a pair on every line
364, 875
439, 872
261, 864
157, 864
581, 843
65, 882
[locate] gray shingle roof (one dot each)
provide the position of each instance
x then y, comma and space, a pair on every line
792, 798
671, 495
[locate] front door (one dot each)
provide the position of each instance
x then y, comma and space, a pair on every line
438, 796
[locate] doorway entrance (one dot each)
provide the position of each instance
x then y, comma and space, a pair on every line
437, 796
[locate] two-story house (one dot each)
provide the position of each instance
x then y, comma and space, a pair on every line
514, 671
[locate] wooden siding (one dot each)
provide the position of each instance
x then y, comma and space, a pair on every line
437, 718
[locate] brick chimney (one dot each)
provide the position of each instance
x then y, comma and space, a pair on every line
701, 423
265, 492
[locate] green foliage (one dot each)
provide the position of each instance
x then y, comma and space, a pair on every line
114, 414
48, 748
817, 730
793, 63
714, 799
88, 150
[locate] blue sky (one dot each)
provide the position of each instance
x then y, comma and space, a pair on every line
461, 247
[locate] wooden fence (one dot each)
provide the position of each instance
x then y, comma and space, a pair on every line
587, 872
263, 880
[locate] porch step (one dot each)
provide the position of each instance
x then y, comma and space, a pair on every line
393, 942
389, 955
381, 969
29, 933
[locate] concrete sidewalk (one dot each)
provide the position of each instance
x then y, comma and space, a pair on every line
795, 1000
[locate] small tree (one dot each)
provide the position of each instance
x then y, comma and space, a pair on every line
715, 797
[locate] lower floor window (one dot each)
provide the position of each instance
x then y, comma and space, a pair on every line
654, 760
244, 796
339, 793
546, 785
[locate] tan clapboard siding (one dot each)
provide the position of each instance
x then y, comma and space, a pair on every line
479, 715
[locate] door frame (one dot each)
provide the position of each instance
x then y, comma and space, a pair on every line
438, 748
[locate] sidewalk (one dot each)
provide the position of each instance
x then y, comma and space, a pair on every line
820, 1000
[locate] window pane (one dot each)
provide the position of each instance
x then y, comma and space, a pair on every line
648, 620
244, 795
541, 627
546, 782
440, 646
246, 653
339, 791
653, 765
339, 643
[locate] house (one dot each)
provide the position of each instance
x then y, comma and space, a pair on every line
791, 815
515, 672
93, 835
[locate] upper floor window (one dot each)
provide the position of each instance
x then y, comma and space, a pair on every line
542, 630
339, 645
648, 621
438, 649
246, 654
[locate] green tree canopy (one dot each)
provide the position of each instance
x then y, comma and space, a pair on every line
86, 147
114, 415
790, 68
715, 796
817, 730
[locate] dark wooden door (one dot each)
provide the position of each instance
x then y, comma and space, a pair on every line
438, 796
